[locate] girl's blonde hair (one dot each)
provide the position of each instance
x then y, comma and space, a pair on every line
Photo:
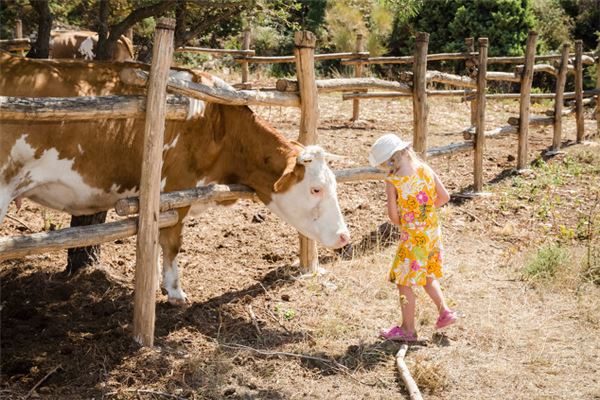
395, 160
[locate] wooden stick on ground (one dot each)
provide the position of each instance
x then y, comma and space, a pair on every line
411, 385
53, 370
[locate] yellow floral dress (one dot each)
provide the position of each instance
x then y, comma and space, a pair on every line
419, 253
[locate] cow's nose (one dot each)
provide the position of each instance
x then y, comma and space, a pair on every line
344, 239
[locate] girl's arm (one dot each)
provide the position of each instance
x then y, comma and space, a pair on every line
392, 203
442, 195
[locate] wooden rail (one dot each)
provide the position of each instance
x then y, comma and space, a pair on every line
81, 236
345, 84
85, 108
15, 44
207, 50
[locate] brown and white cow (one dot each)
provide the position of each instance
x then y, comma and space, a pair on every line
85, 167
82, 45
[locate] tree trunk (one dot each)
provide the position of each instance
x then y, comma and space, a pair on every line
83, 256
180, 24
105, 44
41, 47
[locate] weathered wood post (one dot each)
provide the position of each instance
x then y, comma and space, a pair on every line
358, 71
526, 79
420, 106
304, 52
579, 89
561, 79
18, 33
245, 46
146, 269
479, 139
470, 44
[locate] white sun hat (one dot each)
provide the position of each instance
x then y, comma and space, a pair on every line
385, 147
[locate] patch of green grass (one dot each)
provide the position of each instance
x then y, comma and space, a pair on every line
546, 262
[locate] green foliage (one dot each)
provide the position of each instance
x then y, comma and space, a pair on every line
11, 10
344, 21
546, 262
552, 24
505, 22
371, 18
586, 17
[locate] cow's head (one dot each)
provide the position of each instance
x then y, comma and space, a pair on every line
306, 196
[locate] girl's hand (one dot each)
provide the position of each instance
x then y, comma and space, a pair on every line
392, 203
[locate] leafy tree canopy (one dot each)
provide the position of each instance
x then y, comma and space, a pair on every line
505, 22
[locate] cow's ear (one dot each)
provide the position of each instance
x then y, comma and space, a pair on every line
299, 145
286, 179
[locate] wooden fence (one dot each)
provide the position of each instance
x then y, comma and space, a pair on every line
155, 211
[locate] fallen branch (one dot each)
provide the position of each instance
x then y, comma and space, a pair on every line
53, 370
411, 385
253, 319
19, 221
148, 391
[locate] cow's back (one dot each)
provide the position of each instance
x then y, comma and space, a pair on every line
83, 45
64, 78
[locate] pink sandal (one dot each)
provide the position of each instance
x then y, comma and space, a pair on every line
446, 318
397, 333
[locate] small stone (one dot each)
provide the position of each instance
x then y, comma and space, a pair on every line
285, 297
258, 218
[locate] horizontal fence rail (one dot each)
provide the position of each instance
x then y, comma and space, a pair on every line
81, 236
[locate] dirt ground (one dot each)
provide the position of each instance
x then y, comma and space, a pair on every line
253, 330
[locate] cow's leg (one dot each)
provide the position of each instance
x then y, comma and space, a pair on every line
170, 241
3, 209
7, 194
80, 257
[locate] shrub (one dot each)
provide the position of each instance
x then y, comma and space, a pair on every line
546, 262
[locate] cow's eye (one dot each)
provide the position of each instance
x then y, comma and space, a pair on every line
316, 191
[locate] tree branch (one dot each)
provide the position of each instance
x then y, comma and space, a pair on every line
139, 14
203, 26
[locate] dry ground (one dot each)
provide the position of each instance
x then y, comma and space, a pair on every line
522, 337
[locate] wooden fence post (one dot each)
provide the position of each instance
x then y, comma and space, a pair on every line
579, 89
304, 52
358, 71
245, 46
526, 79
470, 44
18, 29
18, 33
561, 79
147, 252
479, 139
420, 107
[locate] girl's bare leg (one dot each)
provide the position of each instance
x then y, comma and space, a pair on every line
432, 288
407, 305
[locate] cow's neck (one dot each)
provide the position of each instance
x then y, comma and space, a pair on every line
253, 152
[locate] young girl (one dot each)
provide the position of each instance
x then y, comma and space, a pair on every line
414, 192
